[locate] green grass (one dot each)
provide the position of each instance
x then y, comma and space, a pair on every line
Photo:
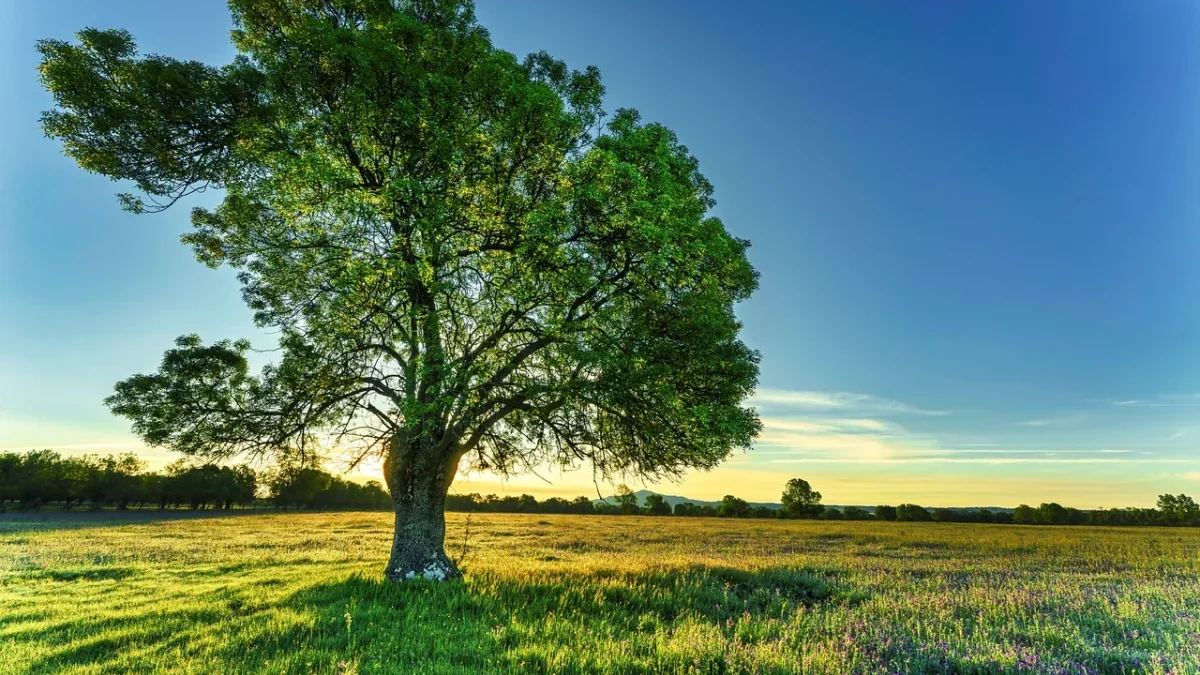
303, 593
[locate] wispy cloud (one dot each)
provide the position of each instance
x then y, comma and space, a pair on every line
837, 400
991, 460
125, 445
1064, 420
1163, 401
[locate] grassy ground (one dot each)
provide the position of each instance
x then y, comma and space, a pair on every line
293, 593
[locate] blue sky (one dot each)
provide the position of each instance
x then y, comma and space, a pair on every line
976, 225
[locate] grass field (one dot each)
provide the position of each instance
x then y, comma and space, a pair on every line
303, 593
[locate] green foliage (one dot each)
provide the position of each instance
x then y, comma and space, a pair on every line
800, 500
832, 514
310, 487
733, 507
912, 513
463, 255
43, 478
694, 510
1178, 510
627, 501
885, 512
855, 513
301, 593
656, 505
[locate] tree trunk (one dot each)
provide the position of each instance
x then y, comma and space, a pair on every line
418, 480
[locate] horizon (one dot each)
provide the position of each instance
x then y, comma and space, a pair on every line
977, 278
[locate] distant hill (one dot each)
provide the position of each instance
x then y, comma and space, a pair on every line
676, 499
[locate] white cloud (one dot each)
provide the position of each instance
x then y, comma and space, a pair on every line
836, 400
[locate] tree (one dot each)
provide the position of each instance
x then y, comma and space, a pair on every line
733, 507
883, 512
912, 513
800, 500
656, 505
465, 259
1024, 515
694, 510
1178, 509
299, 486
944, 515
855, 513
627, 501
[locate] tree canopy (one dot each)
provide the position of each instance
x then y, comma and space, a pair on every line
462, 253
800, 500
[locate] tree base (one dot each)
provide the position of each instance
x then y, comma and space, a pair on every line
433, 568
418, 548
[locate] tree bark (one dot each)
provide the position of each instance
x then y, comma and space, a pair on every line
418, 479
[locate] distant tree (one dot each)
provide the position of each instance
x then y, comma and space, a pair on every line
44, 477
527, 504
1002, 517
241, 486
552, 505
1178, 510
466, 261
855, 513
604, 508
733, 507
582, 505
832, 514
1024, 515
111, 480
764, 512
627, 501
800, 500
1055, 514
299, 486
10, 473
984, 516
885, 513
912, 513
944, 515
461, 502
656, 505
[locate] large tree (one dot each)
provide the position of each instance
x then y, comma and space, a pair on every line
463, 255
800, 500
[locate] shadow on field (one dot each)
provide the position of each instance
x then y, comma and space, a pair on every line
19, 522
503, 624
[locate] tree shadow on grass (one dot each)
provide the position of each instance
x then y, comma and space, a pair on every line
492, 623
499, 624
23, 522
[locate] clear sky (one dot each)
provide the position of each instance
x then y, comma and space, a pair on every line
978, 228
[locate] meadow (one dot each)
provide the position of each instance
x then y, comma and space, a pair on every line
303, 593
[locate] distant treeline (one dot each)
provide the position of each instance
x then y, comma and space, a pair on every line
42, 478
1173, 510
32, 480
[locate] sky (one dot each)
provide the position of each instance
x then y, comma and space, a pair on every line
976, 226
